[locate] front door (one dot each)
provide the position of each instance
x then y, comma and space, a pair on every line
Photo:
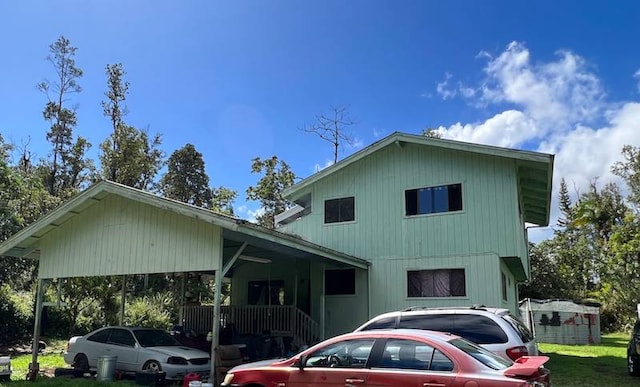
338, 364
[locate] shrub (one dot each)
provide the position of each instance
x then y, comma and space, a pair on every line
15, 319
152, 312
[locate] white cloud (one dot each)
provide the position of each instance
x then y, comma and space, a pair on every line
249, 214
637, 76
507, 129
557, 107
556, 93
444, 89
320, 167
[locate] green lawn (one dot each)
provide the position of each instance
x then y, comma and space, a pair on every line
570, 365
590, 365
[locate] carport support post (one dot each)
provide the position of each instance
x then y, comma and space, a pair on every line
34, 366
123, 298
215, 330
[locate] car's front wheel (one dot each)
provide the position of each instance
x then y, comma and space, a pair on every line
80, 362
152, 366
633, 365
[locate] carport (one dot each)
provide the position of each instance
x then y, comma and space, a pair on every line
112, 229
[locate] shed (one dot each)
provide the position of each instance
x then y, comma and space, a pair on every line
562, 321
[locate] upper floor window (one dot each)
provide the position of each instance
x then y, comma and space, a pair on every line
339, 210
431, 200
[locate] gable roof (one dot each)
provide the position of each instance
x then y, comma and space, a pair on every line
25, 242
534, 170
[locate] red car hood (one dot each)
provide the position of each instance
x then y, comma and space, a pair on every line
526, 366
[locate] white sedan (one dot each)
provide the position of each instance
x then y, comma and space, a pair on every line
137, 349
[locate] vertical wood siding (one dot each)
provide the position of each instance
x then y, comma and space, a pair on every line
490, 225
127, 237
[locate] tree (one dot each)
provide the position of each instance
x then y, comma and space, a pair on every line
128, 155
332, 127
277, 177
431, 133
545, 282
628, 170
223, 199
565, 204
187, 181
64, 171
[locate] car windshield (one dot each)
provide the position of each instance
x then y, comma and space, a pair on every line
154, 338
482, 355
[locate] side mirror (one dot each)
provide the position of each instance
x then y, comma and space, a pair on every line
302, 361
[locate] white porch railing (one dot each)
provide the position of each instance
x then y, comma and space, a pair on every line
281, 320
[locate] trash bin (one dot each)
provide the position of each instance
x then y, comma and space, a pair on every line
106, 368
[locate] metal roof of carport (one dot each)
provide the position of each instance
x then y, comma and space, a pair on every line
261, 241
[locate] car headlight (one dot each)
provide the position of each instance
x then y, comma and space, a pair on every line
227, 379
177, 360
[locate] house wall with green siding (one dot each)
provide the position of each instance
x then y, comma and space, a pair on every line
489, 226
119, 236
335, 314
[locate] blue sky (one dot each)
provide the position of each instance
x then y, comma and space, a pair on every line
238, 79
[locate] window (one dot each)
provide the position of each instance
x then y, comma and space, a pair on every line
122, 337
436, 283
431, 200
339, 282
479, 329
383, 323
339, 210
344, 354
413, 355
100, 336
504, 287
265, 292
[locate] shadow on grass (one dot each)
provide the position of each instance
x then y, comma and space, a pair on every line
573, 370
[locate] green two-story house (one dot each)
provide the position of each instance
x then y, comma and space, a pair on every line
443, 223
409, 220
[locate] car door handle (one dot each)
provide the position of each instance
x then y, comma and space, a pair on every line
433, 385
351, 382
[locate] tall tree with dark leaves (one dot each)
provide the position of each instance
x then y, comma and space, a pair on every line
565, 204
187, 181
68, 168
277, 176
128, 156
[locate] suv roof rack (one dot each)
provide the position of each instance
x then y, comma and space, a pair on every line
418, 308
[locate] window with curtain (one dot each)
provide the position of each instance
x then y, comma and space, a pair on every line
436, 283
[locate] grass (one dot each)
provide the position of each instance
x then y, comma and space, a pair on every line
590, 365
571, 366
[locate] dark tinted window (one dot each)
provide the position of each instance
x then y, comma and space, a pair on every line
479, 329
339, 281
429, 200
339, 210
383, 323
100, 337
524, 332
122, 337
154, 338
485, 357
434, 322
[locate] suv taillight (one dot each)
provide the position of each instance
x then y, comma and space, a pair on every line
517, 352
